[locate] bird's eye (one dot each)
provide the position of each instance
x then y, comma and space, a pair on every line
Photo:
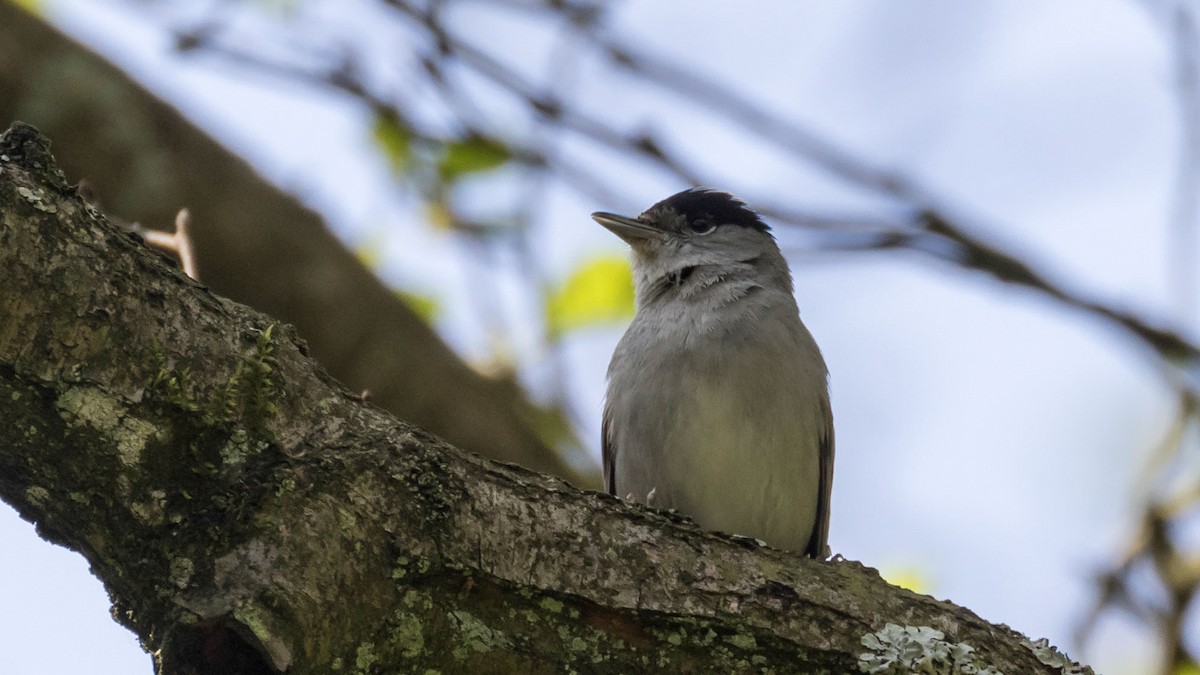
701, 225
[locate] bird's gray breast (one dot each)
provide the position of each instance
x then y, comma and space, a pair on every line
720, 415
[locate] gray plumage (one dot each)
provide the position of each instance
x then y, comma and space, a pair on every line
718, 402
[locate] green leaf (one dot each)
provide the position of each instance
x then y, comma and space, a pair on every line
600, 291
472, 155
395, 139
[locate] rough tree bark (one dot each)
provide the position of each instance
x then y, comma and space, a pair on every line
248, 514
256, 244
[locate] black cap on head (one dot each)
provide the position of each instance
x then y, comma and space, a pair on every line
719, 207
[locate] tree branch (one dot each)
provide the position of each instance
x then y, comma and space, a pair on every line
248, 514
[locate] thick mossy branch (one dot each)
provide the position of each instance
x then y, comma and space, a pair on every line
249, 515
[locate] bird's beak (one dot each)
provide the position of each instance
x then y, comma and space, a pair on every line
629, 229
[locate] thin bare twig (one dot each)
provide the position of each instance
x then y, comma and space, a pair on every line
178, 242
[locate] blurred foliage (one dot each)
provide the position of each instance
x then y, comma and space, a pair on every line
426, 306
395, 141
471, 155
598, 292
434, 167
454, 158
1188, 669
439, 214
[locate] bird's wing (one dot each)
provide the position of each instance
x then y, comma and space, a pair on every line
608, 453
818, 544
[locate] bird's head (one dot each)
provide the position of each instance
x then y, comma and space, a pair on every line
698, 228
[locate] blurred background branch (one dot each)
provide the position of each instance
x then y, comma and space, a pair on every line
921, 221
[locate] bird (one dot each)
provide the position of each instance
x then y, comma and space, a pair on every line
718, 401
